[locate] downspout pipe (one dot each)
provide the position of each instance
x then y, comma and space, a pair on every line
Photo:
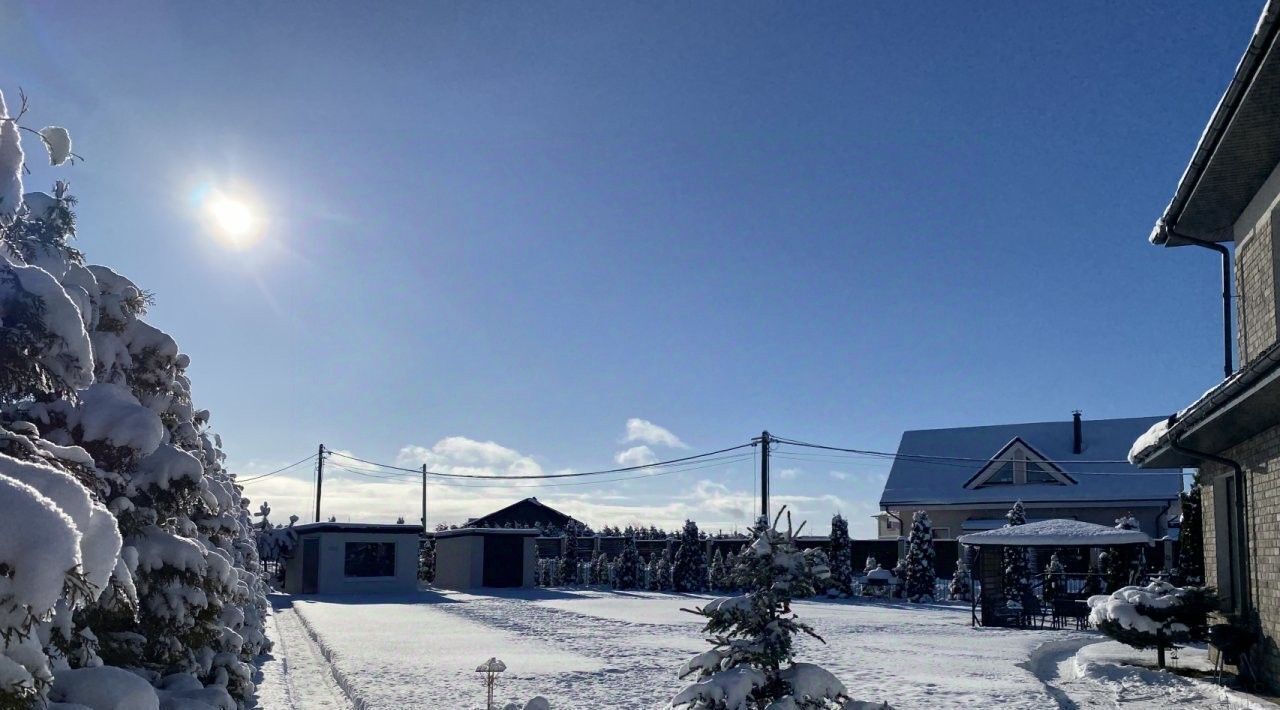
1241, 506
1227, 368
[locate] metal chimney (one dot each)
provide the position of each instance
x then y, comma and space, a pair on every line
1077, 440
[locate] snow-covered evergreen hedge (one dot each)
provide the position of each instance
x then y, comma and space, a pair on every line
130, 571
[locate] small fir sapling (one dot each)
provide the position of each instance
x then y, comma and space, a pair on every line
959, 589
1190, 568
751, 664
627, 568
1054, 578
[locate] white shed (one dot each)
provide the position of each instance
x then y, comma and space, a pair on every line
353, 558
467, 558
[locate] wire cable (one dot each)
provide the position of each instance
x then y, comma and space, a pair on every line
259, 477
926, 457
576, 474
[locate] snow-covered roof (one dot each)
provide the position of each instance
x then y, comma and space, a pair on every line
397, 529
1056, 533
524, 532
934, 465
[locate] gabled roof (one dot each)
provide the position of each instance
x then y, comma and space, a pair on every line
522, 511
1238, 150
933, 465
1004, 456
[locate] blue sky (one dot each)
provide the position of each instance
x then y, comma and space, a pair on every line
498, 232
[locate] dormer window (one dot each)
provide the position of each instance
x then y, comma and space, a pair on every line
1018, 463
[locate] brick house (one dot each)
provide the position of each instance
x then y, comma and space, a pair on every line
1230, 193
967, 478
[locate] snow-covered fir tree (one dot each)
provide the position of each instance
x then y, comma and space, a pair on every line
1055, 578
716, 573
663, 572
144, 556
840, 556
1190, 569
689, 570
626, 571
569, 558
1016, 575
729, 578
599, 569
961, 584
751, 664
920, 574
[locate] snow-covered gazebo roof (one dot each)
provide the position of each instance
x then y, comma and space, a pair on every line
1056, 533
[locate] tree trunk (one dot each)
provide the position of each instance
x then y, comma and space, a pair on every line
1160, 649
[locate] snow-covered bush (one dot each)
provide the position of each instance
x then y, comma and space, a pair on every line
689, 570
751, 664
840, 557
920, 575
108, 462
959, 588
1017, 575
626, 570
427, 560
1158, 615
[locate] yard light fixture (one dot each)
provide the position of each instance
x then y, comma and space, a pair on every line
490, 668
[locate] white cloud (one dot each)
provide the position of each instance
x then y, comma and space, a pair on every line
459, 454
788, 474
838, 475
647, 432
635, 456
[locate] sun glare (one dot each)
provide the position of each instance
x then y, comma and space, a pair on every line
232, 220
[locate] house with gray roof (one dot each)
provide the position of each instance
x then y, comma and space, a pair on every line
967, 478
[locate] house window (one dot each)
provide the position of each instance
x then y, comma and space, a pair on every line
1002, 476
369, 559
942, 533
1018, 463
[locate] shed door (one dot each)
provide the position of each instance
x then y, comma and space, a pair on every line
503, 561
310, 565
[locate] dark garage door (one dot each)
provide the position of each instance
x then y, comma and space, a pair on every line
503, 561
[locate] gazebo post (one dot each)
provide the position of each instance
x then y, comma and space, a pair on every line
973, 592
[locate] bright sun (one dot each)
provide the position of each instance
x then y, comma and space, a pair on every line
232, 220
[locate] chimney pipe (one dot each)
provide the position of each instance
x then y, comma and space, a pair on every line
1077, 441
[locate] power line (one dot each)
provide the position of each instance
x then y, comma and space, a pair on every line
578, 474
259, 477
925, 457
706, 463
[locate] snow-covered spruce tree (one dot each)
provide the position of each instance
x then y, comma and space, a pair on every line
569, 559
663, 572
689, 571
599, 569
185, 604
921, 576
1055, 578
751, 665
1191, 537
427, 559
729, 580
716, 573
959, 589
1158, 616
626, 571
1016, 578
840, 557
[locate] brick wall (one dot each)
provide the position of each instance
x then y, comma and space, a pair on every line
1260, 457
1256, 272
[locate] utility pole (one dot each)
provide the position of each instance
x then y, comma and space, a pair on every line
319, 479
424, 498
764, 473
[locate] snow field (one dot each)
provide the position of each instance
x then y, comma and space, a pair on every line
588, 649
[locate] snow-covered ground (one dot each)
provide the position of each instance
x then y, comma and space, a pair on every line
589, 649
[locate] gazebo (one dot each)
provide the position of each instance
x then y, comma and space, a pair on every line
989, 546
